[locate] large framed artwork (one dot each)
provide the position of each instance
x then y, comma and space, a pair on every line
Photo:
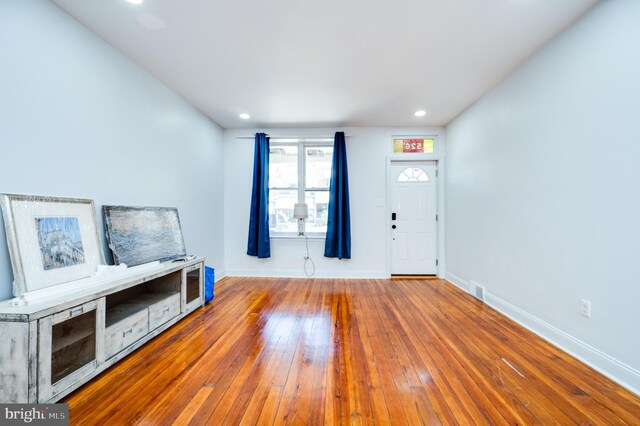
138, 235
51, 240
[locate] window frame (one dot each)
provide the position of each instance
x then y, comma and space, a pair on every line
302, 189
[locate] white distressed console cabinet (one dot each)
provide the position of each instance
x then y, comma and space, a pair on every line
50, 348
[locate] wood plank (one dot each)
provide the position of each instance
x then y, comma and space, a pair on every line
270, 408
187, 414
303, 351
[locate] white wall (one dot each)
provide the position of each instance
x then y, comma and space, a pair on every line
367, 151
79, 119
542, 191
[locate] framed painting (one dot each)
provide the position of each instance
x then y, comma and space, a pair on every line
51, 240
138, 235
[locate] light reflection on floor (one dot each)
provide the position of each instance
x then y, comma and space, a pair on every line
316, 328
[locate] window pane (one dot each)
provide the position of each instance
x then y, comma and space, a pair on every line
281, 204
414, 145
413, 174
318, 204
429, 146
318, 166
283, 166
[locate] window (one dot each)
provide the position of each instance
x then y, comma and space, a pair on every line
413, 174
299, 172
414, 146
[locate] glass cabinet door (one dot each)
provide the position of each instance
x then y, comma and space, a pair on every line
69, 347
192, 296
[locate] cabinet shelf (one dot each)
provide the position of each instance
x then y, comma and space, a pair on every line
62, 343
72, 357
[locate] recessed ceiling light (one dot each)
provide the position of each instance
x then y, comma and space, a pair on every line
245, 116
135, 1
420, 113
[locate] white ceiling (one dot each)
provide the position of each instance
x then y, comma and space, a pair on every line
293, 63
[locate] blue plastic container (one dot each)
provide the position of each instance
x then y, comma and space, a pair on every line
209, 281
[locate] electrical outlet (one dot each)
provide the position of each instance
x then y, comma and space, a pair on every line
585, 308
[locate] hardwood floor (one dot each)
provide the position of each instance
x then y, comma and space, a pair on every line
276, 351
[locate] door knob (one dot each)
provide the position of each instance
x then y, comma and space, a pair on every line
393, 227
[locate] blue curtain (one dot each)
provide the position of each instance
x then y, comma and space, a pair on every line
338, 241
258, 244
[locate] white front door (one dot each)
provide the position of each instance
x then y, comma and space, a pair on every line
413, 218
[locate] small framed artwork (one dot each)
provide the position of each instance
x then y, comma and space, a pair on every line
51, 240
414, 145
138, 235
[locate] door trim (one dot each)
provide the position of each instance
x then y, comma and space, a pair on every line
439, 208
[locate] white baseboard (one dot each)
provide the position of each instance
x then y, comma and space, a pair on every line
613, 368
219, 275
457, 281
290, 273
